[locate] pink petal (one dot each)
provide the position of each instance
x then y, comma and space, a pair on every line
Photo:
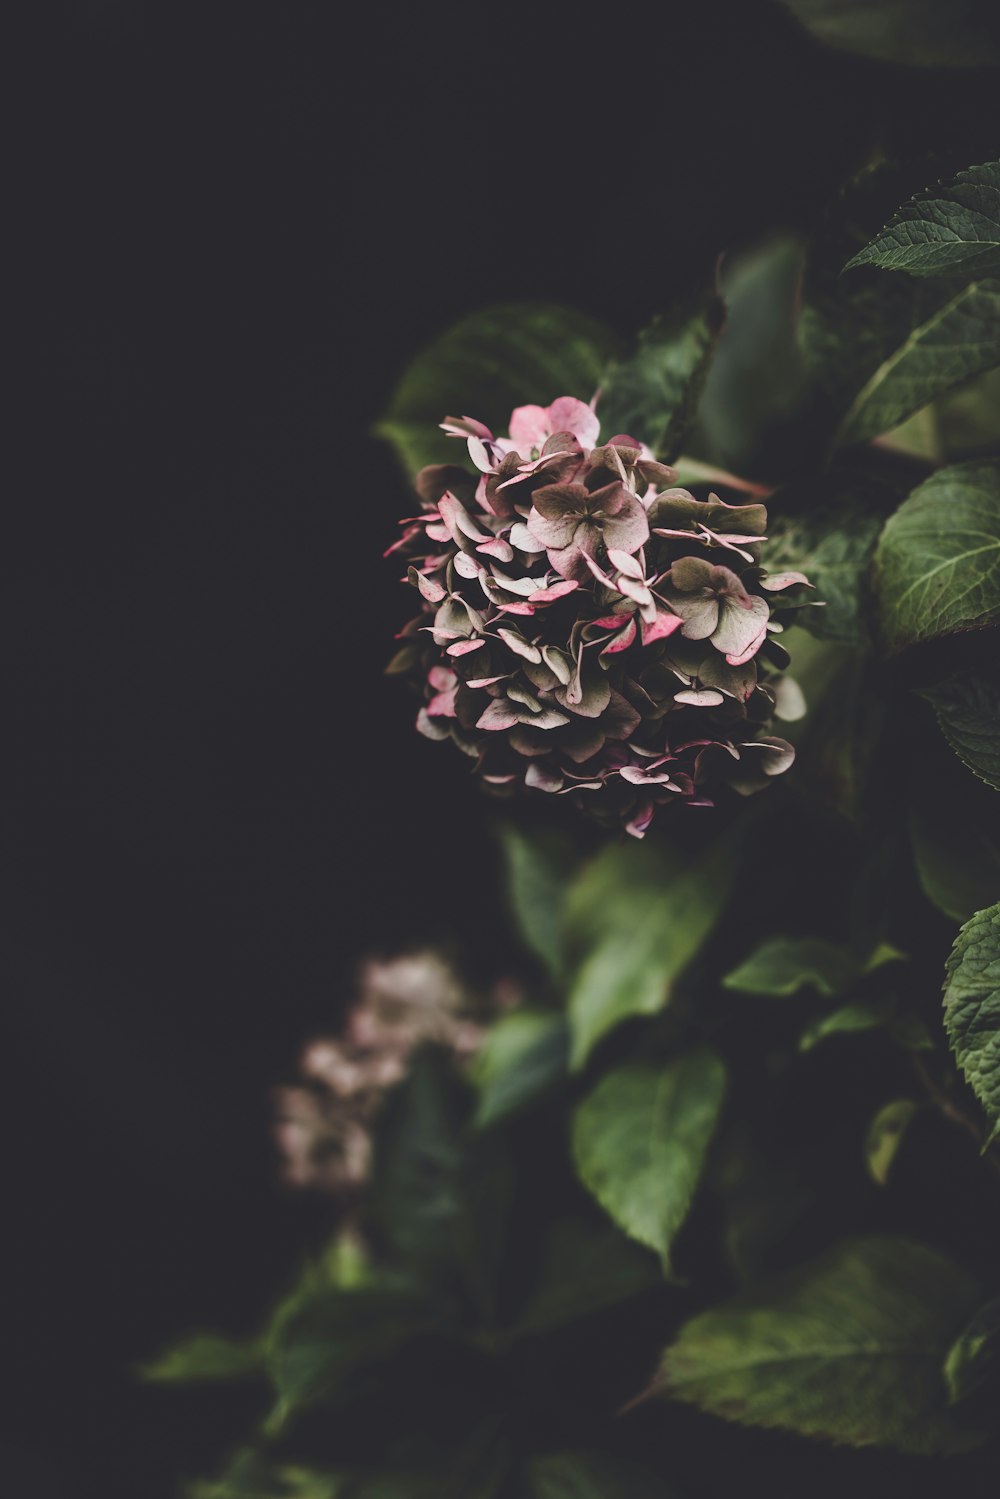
463, 647
554, 591
666, 624
783, 580
529, 427
570, 415
622, 641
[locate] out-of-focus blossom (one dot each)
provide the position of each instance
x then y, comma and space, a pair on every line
587, 628
323, 1124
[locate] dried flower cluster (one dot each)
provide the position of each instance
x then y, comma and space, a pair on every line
589, 629
323, 1126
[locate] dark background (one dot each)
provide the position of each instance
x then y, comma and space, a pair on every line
238, 221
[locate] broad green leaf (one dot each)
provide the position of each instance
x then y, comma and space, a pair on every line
868, 1015
325, 1348
885, 1135
586, 1268
755, 378
972, 1008
591, 1475
441, 1193
653, 395
974, 1358
952, 228
205, 1356
967, 705
955, 839
848, 1348
640, 916
937, 567
958, 338
538, 873
523, 1056
502, 357
833, 543
640, 1140
764, 1194
921, 33
786, 965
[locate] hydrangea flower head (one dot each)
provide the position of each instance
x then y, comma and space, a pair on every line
589, 629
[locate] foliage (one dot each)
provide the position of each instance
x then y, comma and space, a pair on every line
726, 1147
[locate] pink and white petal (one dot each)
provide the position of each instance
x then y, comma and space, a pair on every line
567, 414
665, 624
622, 640
707, 698
541, 778
554, 591
529, 427
638, 823
789, 700
463, 647
524, 539
626, 564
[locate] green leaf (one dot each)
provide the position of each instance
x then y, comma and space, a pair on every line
755, 378
955, 838
514, 355
441, 1193
786, 965
640, 1140
885, 1135
591, 1475
974, 1358
523, 1056
833, 543
641, 916
653, 395
586, 1268
921, 33
249, 1476
325, 1348
878, 1014
205, 1356
967, 705
951, 229
847, 1348
972, 1008
958, 338
937, 566
538, 874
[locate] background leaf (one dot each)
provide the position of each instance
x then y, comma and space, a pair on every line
952, 228
653, 395
514, 355
943, 346
524, 1054
974, 1357
205, 1356
967, 705
937, 566
585, 1268
885, 1135
539, 870
954, 830
972, 1008
922, 33
785, 965
641, 915
640, 1139
847, 1348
